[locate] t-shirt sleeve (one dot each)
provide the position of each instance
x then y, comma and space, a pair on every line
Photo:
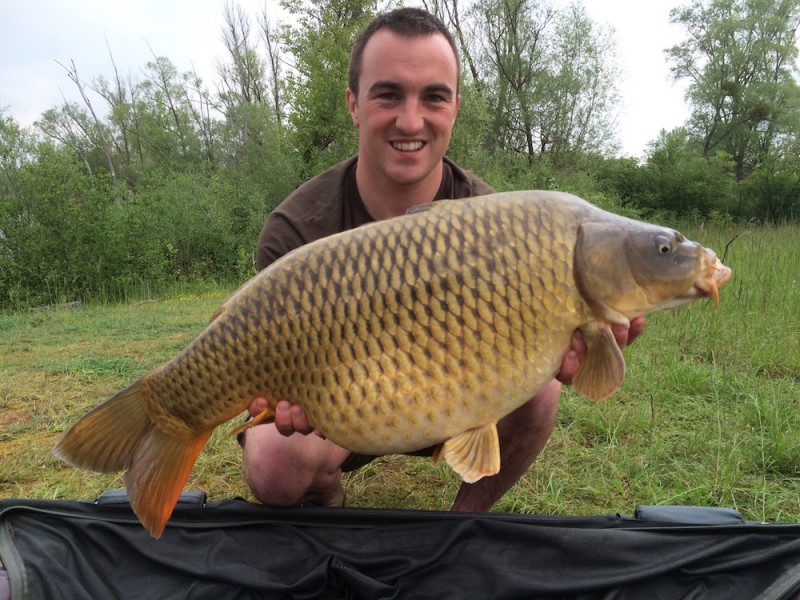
313, 211
278, 237
478, 186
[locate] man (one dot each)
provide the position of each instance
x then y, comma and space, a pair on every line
403, 98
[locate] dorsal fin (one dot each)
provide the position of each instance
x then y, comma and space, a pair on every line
216, 314
420, 208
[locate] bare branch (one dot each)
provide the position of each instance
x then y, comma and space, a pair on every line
104, 147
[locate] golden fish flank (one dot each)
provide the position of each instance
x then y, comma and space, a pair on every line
403, 334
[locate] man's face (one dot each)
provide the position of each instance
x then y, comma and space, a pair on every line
406, 107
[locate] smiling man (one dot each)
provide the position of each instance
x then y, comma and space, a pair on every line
404, 108
403, 96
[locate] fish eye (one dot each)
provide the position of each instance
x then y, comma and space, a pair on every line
663, 245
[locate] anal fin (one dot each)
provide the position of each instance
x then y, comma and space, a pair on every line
265, 416
475, 453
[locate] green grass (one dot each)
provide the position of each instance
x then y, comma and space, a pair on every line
708, 413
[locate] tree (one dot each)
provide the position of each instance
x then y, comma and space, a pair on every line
676, 178
448, 12
739, 58
54, 233
549, 78
577, 109
117, 94
16, 146
72, 127
772, 191
513, 61
274, 69
319, 43
94, 130
242, 82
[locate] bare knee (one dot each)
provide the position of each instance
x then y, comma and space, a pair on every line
538, 415
288, 471
545, 404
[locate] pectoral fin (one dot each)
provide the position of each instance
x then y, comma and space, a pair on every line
601, 374
474, 454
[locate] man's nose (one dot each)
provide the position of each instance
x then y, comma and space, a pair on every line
410, 120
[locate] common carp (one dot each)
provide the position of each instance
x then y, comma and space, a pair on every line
408, 333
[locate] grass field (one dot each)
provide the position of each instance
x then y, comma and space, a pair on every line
708, 413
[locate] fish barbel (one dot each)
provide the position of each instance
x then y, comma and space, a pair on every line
403, 334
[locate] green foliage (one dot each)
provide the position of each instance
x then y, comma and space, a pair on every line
739, 57
171, 182
53, 230
680, 181
15, 150
86, 238
677, 179
772, 192
469, 144
320, 40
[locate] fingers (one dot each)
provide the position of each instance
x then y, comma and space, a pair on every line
257, 406
625, 336
290, 418
620, 334
636, 329
573, 358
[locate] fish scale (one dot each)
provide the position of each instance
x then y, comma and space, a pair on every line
428, 320
435, 325
403, 334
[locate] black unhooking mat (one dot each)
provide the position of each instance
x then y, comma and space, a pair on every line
236, 550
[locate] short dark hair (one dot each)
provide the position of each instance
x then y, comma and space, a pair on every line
407, 22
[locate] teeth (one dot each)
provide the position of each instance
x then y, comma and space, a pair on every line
407, 146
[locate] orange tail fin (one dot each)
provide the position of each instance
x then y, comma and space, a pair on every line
157, 474
119, 435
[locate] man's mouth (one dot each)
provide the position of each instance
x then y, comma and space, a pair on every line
407, 146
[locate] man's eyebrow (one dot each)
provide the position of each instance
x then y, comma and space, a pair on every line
385, 85
440, 88
433, 88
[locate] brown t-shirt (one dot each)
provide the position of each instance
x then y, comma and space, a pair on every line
330, 203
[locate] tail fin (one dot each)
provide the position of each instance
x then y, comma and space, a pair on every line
157, 474
106, 437
119, 435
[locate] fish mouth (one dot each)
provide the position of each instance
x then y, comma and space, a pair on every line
712, 276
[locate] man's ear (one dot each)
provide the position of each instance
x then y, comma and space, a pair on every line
352, 105
458, 106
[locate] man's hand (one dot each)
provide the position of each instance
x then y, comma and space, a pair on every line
289, 418
625, 336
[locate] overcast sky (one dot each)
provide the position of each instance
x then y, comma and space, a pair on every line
36, 35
